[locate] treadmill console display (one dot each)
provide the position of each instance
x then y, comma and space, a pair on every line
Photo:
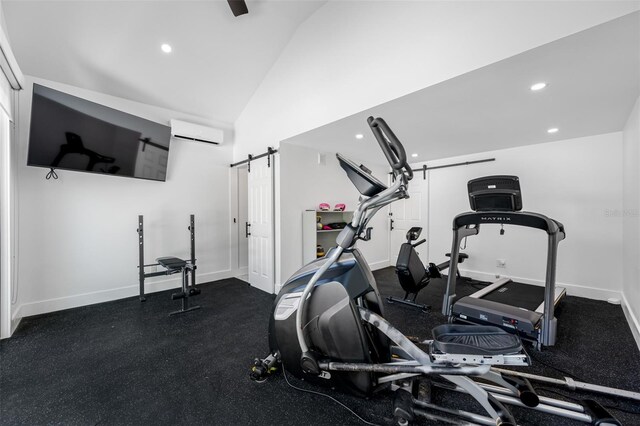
495, 193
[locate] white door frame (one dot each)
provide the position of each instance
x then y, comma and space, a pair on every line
242, 217
7, 228
236, 227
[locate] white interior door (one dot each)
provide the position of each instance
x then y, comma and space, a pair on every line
261, 238
243, 220
408, 213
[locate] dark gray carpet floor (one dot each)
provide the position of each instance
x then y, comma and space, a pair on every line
127, 363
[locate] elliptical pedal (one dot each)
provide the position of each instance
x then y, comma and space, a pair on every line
480, 345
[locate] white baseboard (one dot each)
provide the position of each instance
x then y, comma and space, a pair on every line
572, 289
16, 318
379, 265
67, 302
14, 324
634, 322
241, 271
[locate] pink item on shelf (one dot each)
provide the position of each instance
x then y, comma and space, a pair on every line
326, 228
324, 207
339, 208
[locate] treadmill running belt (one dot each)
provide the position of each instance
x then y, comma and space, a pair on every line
525, 296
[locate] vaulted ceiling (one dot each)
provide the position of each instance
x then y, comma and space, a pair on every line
593, 80
113, 47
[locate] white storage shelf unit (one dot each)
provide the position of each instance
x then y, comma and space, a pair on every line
312, 236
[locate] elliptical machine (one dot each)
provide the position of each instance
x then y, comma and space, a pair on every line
327, 324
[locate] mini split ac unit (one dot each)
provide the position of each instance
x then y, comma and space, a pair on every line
196, 132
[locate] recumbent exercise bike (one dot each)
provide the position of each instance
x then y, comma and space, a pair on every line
412, 274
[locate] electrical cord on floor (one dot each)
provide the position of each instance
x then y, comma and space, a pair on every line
559, 370
284, 373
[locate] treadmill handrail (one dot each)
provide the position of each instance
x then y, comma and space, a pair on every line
528, 219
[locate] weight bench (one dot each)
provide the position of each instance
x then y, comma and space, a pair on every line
173, 265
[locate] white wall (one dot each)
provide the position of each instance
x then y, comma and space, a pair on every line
352, 55
631, 219
78, 243
577, 182
304, 185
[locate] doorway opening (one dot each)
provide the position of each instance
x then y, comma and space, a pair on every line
243, 223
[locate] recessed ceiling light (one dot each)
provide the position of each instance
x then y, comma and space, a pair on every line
359, 136
553, 130
414, 155
166, 48
538, 86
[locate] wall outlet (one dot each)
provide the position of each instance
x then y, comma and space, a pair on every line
501, 263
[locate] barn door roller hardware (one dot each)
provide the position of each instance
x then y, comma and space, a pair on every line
250, 158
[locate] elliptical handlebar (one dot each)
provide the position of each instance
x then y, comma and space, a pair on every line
391, 146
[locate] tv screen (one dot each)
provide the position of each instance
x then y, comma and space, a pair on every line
72, 133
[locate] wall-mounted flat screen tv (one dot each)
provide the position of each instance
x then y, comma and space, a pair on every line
71, 133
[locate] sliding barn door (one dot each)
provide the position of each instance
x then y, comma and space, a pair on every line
261, 225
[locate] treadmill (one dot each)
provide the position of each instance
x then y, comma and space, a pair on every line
523, 309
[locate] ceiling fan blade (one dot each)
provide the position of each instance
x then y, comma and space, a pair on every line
238, 7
